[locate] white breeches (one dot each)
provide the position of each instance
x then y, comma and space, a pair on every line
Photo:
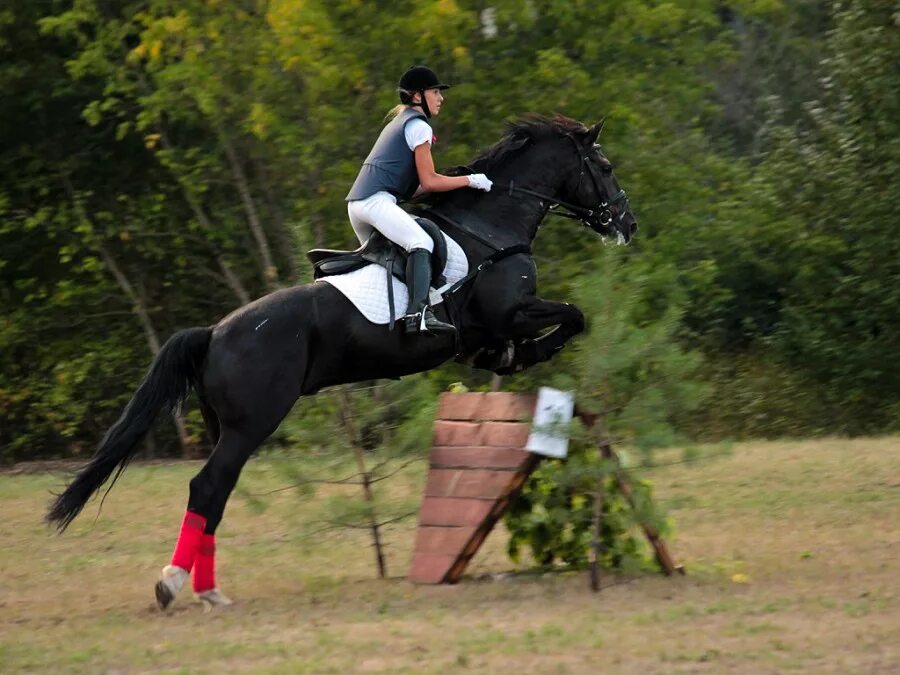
380, 212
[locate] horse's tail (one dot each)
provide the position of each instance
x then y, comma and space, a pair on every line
174, 371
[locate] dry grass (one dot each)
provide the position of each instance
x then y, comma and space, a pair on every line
792, 551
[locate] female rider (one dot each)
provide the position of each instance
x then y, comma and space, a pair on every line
399, 167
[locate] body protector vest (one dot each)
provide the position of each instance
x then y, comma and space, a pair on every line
391, 165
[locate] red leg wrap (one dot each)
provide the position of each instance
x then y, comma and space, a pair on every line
204, 575
189, 540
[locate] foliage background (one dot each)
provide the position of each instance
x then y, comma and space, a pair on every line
164, 162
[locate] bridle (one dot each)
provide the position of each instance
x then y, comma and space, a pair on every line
603, 211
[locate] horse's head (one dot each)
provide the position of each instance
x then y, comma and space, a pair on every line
591, 186
548, 161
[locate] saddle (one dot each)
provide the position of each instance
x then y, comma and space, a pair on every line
380, 250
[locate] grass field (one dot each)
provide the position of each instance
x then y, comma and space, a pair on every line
792, 551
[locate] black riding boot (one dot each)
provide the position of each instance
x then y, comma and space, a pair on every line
419, 317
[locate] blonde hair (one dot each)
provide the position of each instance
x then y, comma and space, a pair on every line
396, 110
407, 99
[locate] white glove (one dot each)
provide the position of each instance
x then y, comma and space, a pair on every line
480, 181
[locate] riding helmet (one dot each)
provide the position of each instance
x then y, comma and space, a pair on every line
419, 78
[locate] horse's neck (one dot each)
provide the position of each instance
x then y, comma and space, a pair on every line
503, 217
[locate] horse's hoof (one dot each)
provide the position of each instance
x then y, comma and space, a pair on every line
171, 579
213, 598
163, 595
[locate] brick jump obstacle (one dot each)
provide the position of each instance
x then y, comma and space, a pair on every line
481, 457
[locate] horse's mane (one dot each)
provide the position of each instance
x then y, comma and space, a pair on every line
530, 127
527, 129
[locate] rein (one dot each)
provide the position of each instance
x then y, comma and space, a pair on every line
575, 212
604, 215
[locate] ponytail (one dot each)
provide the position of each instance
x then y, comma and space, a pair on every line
393, 112
406, 100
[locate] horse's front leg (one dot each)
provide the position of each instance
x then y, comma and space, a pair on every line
531, 319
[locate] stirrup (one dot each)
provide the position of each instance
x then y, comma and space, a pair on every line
426, 323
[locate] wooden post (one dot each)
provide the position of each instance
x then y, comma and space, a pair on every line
597, 534
659, 546
666, 562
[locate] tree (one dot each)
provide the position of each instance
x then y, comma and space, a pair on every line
632, 376
835, 175
385, 428
188, 151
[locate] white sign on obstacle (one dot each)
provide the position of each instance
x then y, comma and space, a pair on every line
551, 418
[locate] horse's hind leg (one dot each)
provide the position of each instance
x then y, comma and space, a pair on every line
256, 368
195, 551
211, 420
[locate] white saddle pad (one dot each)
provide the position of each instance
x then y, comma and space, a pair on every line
366, 287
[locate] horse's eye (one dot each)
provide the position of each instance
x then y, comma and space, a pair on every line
607, 169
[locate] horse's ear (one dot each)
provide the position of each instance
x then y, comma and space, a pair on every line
595, 130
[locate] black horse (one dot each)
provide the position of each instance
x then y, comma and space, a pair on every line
249, 369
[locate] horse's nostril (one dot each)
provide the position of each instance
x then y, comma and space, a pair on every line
634, 227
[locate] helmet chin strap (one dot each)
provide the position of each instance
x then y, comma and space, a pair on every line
424, 104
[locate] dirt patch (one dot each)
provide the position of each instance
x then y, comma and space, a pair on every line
790, 550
